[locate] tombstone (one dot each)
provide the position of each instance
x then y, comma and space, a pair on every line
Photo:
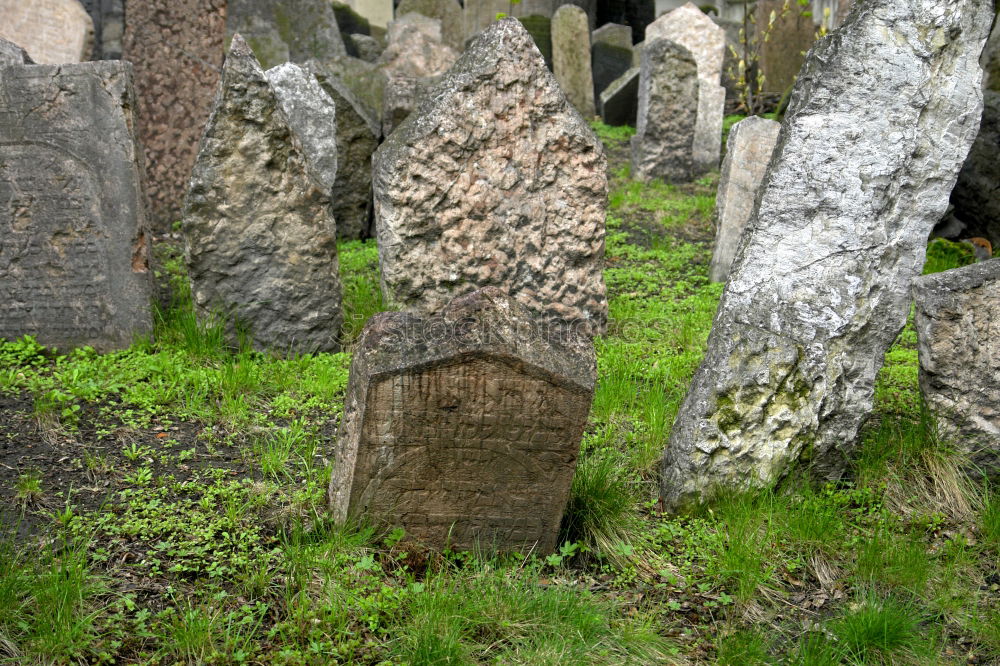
692, 29
820, 286
748, 151
357, 139
365, 80
53, 32
402, 95
281, 31
635, 13
415, 48
990, 60
378, 12
495, 181
108, 17
364, 47
959, 350
571, 58
611, 54
74, 261
259, 237
449, 12
976, 196
177, 52
782, 54
667, 116
12, 54
620, 100
349, 22
463, 429
540, 29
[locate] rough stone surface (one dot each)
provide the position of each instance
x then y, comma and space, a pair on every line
495, 181
402, 95
695, 31
365, 47
176, 48
74, 259
415, 48
463, 429
668, 100
259, 237
364, 79
540, 29
357, 139
611, 55
449, 12
108, 17
990, 60
282, 31
53, 32
12, 54
821, 282
958, 339
976, 196
620, 100
748, 152
571, 58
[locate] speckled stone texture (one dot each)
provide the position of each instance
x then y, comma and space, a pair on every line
958, 338
415, 48
259, 237
463, 429
571, 58
449, 12
748, 152
53, 32
667, 115
821, 283
74, 246
282, 31
495, 181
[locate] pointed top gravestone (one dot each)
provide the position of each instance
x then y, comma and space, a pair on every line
821, 284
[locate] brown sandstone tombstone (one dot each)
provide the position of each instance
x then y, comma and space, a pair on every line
416, 48
73, 247
53, 32
571, 57
449, 12
463, 428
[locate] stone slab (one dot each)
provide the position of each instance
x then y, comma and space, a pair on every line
609, 62
571, 57
619, 102
449, 12
12, 54
416, 48
378, 12
53, 32
282, 31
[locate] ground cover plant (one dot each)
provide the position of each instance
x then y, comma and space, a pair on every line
165, 505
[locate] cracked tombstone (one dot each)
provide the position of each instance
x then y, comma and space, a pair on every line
74, 260
495, 180
463, 428
259, 236
957, 321
821, 283
571, 57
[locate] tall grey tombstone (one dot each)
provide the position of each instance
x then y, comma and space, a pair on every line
259, 236
74, 260
668, 102
495, 180
619, 103
449, 12
957, 318
748, 152
463, 428
821, 282
571, 57
281, 31
611, 54
357, 138
694, 30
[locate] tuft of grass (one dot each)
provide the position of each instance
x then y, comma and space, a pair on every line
359, 278
28, 488
880, 631
744, 647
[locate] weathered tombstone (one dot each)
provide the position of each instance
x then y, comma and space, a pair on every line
692, 29
402, 95
495, 180
357, 139
667, 116
611, 54
571, 57
176, 48
53, 32
449, 12
364, 47
12, 54
74, 260
540, 29
259, 237
748, 152
620, 100
464, 428
959, 349
821, 282
365, 79
415, 48
976, 196
281, 31
783, 52
350, 22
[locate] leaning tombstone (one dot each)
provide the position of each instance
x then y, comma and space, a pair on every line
620, 100
959, 350
495, 180
667, 115
611, 54
449, 12
820, 286
463, 428
74, 259
748, 151
53, 32
281, 31
259, 237
12, 54
571, 57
